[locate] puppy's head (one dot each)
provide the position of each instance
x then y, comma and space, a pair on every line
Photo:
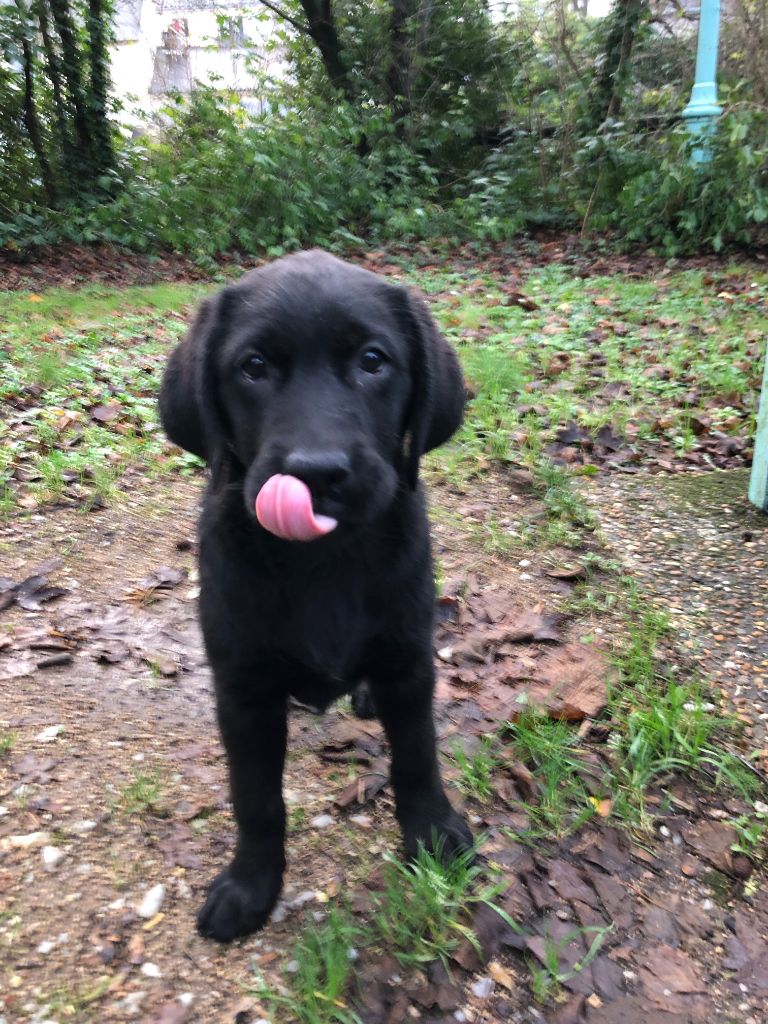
319, 370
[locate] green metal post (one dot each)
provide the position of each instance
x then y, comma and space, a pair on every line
703, 109
758, 484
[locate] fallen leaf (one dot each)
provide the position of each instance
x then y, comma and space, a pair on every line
668, 974
162, 579
603, 807
162, 663
501, 975
135, 949
573, 572
569, 683
365, 787
106, 413
712, 841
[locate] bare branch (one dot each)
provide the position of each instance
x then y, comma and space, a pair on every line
286, 17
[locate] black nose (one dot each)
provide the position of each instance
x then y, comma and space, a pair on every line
319, 470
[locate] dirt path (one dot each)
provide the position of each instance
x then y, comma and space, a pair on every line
701, 550
114, 783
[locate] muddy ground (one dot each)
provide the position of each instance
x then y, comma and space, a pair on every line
114, 782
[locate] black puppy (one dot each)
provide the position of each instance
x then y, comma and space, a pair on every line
318, 373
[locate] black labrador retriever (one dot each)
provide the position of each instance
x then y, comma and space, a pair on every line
312, 388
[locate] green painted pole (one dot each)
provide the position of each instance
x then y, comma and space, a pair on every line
758, 484
703, 109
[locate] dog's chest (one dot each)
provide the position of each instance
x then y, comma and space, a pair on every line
321, 626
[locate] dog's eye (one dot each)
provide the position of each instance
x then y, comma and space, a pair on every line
372, 360
254, 368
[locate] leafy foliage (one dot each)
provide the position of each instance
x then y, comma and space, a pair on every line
398, 120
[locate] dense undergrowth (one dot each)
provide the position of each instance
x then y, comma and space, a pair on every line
497, 135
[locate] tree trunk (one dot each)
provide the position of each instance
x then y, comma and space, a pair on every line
322, 29
399, 72
102, 149
31, 116
625, 20
73, 75
54, 74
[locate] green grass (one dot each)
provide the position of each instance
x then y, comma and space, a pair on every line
548, 977
661, 726
7, 739
143, 795
316, 992
77, 1003
752, 833
550, 750
423, 912
476, 769
662, 342
62, 357
664, 724
66, 351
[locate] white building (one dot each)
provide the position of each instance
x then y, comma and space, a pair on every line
163, 47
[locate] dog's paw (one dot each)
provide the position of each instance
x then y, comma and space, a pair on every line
447, 837
238, 906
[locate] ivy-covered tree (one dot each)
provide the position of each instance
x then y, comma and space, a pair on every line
434, 72
54, 72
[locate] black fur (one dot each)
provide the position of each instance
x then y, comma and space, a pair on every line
311, 620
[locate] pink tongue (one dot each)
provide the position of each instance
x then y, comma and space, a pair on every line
284, 507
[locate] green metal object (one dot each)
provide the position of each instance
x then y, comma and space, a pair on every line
758, 484
703, 110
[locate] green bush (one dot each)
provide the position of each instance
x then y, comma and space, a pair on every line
497, 136
679, 204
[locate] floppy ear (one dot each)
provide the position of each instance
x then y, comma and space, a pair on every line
438, 394
188, 405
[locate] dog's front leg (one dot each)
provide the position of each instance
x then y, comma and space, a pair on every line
423, 810
253, 729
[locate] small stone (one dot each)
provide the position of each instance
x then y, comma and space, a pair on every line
49, 734
292, 966
594, 1001
186, 998
45, 947
151, 970
132, 1002
3, 811
321, 821
279, 913
445, 653
28, 841
81, 827
51, 856
360, 819
482, 988
304, 897
152, 902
